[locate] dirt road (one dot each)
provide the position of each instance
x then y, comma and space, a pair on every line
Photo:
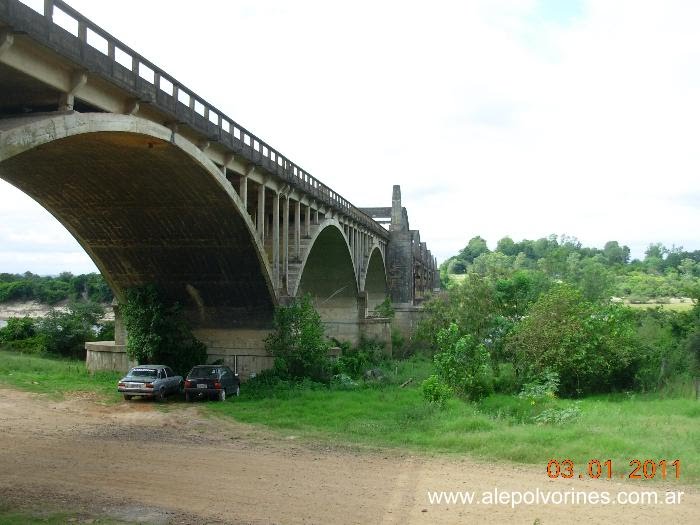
137, 462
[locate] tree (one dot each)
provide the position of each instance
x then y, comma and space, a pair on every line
588, 345
507, 246
475, 247
616, 254
158, 333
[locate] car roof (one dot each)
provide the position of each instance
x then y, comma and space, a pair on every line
151, 367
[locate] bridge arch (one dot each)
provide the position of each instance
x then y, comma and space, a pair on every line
147, 206
328, 274
374, 279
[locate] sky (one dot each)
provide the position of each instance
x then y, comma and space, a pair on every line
519, 118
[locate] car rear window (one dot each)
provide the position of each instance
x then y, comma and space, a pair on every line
142, 372
203, 372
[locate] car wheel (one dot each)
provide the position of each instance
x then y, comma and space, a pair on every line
161, 395
238, 390
222, 394
127, 397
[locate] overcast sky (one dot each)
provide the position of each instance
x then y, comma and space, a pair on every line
514, 117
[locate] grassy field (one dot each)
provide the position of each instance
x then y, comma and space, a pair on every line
619, 427
676, 307
55, 377
14, 517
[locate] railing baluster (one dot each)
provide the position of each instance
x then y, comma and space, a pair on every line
292, 173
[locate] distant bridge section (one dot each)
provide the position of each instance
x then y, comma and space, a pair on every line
160, 186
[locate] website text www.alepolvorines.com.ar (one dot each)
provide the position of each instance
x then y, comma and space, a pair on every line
516, 498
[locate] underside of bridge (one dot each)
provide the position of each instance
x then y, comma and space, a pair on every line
328, 276
375, 281
148, 212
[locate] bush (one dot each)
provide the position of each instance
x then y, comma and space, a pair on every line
385, 309
588, 345
158, 333
463, 364
435, 391
17, 328
65, 333
298, 342
505, 380
355, 361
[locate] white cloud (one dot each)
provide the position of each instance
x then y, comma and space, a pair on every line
496, 118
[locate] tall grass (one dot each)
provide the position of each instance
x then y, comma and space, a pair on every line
54, 376
620, 427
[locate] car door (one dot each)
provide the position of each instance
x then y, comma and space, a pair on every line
173, 382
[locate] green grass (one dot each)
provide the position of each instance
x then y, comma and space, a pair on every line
676, 307
54, 376
621, 428
60, 518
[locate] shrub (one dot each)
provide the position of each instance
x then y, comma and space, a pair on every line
157, 333
436, 391
463, 364
385, 309
505, 380
17, 328
355, 361
298, 342
543, 388
588, 345
557, 415
65, 333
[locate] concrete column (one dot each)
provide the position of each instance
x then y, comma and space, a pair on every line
316, 216
243, 192
276, 240
307, 221
351, 240
261, 212
297, 230
285, 239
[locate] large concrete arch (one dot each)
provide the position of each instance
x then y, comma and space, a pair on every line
374, 281
328, 275
148, 207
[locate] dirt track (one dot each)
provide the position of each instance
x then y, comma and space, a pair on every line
136, 462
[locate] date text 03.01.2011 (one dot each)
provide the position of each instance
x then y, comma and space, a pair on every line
646, 469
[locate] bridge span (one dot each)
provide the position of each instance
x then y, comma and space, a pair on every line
159, 186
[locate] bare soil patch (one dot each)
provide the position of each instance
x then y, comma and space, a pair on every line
141, 463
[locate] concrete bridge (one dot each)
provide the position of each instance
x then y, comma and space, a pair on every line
159, 186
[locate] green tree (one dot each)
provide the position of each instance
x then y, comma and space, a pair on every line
589, 346
159, 333
475, 247
507, 246
616, 254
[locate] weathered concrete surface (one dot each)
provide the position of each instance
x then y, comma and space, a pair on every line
145, 209
106, 355
241, 349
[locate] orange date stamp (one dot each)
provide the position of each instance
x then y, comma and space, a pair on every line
596, 469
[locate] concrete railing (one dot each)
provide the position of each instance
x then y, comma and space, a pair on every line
69, 33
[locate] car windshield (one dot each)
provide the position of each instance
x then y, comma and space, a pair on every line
142, 372
203, 372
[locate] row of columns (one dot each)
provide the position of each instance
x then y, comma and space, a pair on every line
359, 239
